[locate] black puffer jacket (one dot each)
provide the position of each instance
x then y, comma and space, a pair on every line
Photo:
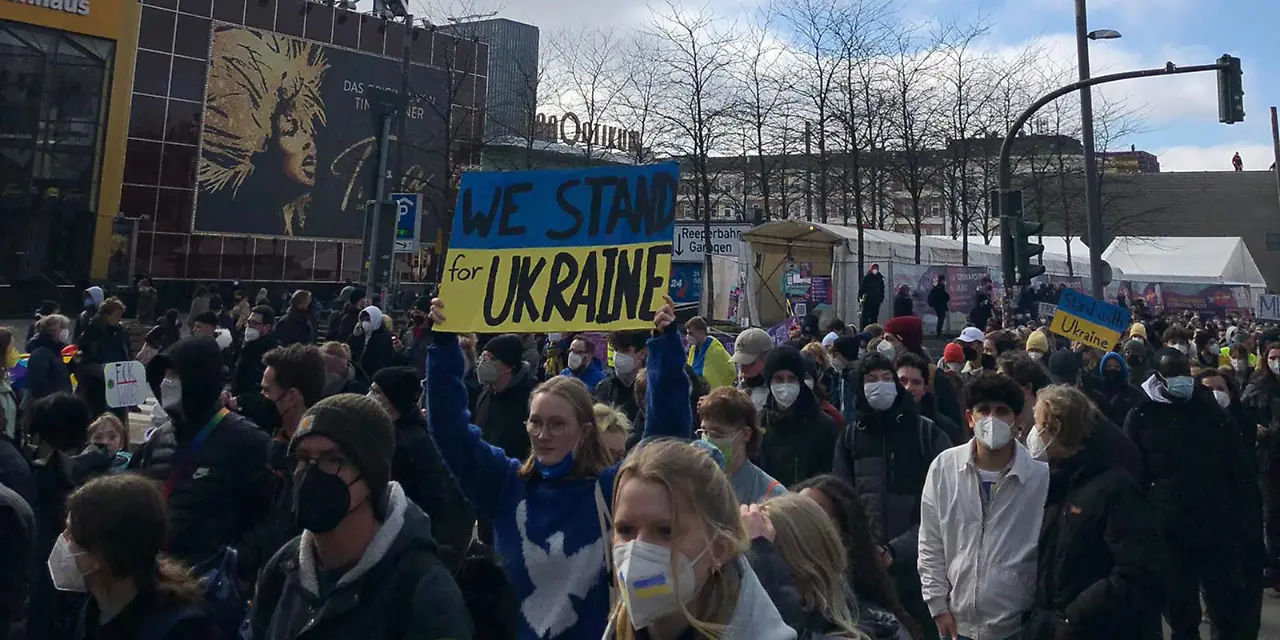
619, 395
47, 374
886, 456
219, 494
796, 442
1191, 476
247, 377
1099, 552
374, 354
501, 414
295, 327
102, 343
398, 589
421, 472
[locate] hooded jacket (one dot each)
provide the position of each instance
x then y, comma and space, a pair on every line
754, 615
398, 589
47, 374
219, 494
373, 351
93, 299
1190, 453
1115, 397
591, 375
886, 455
796, 439
547, 527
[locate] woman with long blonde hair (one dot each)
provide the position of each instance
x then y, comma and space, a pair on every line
550, 512
809, 544
678, 552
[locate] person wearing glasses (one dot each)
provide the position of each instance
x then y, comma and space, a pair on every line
365, 564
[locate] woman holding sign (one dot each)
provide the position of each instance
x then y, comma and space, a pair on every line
550, 513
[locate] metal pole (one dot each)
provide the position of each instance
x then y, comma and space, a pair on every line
133, 234
380, 196
402, 126
1092, 197
1275, 142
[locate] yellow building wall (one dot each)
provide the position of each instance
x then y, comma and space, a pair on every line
113, 20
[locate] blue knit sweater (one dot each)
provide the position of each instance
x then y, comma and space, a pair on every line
546, 529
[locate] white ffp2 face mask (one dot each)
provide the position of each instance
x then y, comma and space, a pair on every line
992, 432
649, 590
785, 394
623, 364
1037, 446
63, 569
880, 395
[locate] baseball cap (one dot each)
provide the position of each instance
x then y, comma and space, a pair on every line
972, 334
751, 345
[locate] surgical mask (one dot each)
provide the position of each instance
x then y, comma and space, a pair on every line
223, 338
885, 348
1239, 364
1035, 355
320, 501
880, 395
1037, 446
725, 445
251, 334
368, 326
759, 395
1223, 398
623, 364
955, 366
785, 393
1274, 365
808, 382
170, 392
487, 372
992, 432
64, 335
575, 361
63, 569
1180, 386
1183, 348
649, 590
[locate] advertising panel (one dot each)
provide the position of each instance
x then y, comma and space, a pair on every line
690, 246
288, 141
686, 283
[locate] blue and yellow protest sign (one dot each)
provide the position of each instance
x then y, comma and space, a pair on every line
574, 250
1093, 322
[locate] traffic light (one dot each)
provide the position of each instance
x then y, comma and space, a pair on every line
1022, 234
1230, 90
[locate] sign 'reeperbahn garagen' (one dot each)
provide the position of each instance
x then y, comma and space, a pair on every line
78, 7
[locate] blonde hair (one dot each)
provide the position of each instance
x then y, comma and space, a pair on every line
611, 420
1069, 410
819, 354
110, 421
590, 457
697, 486
807, 540
337, 349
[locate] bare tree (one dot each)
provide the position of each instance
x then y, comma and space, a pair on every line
591, 62
766, 99
698, 105
642, 95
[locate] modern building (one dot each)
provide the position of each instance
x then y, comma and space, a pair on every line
513, 73
1131, 161
65, 75
251, 151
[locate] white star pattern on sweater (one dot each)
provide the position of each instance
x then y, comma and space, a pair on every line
556, 577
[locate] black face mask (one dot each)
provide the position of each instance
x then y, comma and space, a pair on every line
320, 501
1113, 377
969, 353
418, 320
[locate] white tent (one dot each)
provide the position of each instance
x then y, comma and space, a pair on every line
1053, 245
1203, 260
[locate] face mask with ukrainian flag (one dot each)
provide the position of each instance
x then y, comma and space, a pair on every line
649, 591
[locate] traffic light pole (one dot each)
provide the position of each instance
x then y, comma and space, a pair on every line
1092, 197
1005, 174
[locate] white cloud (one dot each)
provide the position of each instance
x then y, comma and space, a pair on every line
1215, 158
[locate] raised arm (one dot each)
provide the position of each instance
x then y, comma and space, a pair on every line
666, 398
485, 474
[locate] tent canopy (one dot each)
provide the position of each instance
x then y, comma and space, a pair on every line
1055, 245
1215, 260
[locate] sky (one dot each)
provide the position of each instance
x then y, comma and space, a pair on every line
1180, 123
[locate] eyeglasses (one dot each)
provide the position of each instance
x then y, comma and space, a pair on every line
330, 463
554, 428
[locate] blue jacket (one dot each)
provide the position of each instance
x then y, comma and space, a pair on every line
590, 376
546, 529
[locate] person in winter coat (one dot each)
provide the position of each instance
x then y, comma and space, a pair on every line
340, 376
47, 308
503, 406
550, 512
979, 519
417, 337
104, 341
345, 314
213, 461
668, 482
166, 332
880, 612
297, 327
707, 356
417, 464
946, 394
940, 301
918, 378
259, 338
366, 565
798, 436
1116, 396
903, 305
1100, 549
93, 298
618, 388
146, 302
1199, 494
17, 538
371, 346
729, 421
871, 295
885, 453
796, 530
583, 363
749, 352
1261, 407
47, 373
116, 527
199, 304
982, 311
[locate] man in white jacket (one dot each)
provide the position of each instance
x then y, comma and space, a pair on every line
980, 519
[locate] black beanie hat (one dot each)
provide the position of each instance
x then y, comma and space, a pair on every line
364, 432
784, 359
402, 386
508, 348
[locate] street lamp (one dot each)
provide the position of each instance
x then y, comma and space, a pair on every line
1092, 197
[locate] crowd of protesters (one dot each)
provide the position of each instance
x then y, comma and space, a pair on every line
844, 483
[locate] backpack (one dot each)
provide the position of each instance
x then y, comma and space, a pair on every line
223, 601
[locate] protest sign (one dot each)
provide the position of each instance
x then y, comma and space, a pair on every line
574, 250
126, 383
1090, 321
1267, 307
1046, 310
